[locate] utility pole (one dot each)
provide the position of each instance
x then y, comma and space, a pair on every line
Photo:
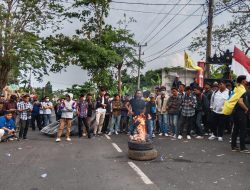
139, 67
209, 35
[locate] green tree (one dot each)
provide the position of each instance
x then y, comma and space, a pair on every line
21, 45
96, 46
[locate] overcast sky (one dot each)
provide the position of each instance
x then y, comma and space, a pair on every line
145, 30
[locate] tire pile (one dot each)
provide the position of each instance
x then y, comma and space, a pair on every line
142, 151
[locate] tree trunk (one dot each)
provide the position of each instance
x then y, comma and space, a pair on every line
4, 70
119, 79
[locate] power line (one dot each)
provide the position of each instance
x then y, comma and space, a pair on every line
165, 35
165, 50
168, 22
158, 24
160, 4
152, 22
152, 12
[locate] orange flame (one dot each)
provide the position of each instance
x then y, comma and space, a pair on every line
141, 128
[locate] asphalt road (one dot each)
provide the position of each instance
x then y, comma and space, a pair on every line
93, 164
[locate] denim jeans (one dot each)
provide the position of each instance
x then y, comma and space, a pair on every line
173, 121
163, 123
115, 121
150, 127
47, 119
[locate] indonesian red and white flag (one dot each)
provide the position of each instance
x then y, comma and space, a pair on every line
241, 63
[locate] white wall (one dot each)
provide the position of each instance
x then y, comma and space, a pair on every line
186, 77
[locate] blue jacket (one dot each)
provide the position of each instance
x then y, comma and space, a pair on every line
10, 124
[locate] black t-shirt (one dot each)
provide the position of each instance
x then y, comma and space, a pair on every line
137, 105
246, 99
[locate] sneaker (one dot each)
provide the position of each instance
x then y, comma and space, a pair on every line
199, 137
235, 149
220, 139
174, 136
188, 137
110, 133
58, 140
100, 133
180, 137
68, 139
166, 135
153, 135
11, 139
116, 132
212, 137
84, 134
160, 134
206, 134
246, 151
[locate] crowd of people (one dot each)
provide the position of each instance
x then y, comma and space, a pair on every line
19, 113
184, 112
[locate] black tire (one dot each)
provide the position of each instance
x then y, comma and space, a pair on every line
142, 155
134, 145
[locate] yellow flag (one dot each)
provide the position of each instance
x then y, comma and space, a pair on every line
189, 64
230, 104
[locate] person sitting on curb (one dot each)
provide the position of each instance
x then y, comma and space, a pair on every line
7, 127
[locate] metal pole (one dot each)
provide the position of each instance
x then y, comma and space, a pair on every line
139, 68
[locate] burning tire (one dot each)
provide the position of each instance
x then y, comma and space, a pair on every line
142, 155
134, 145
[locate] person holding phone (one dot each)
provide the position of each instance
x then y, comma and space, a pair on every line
24, 108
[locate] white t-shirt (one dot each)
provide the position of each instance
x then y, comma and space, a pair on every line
68, 105
45, 104
218, 99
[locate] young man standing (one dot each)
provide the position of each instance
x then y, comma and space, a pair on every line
116, 115
161, 105
173, 105
181, 90
206, 118
138, 107
176, 82
218, 118
101, 108
67, 107
35, 117
188, 106
24, 108
11, 106
240, 115
202, 108
151, 115
47, 107
82, 113
124, 114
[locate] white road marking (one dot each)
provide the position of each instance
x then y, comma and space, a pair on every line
144, 178
117, 147
108, 137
